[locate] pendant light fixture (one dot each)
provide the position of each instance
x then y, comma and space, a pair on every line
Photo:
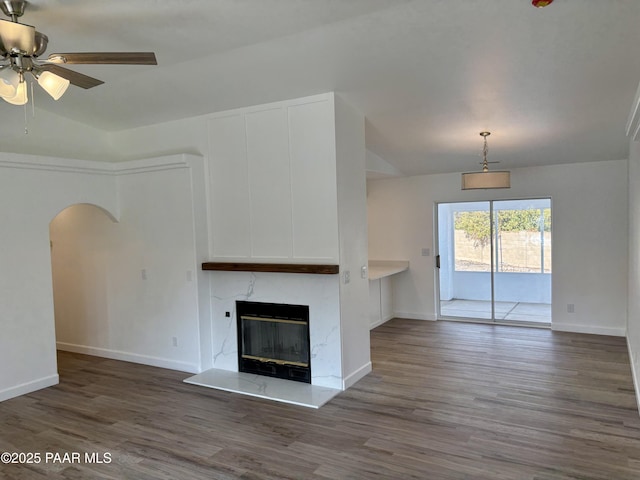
485, 179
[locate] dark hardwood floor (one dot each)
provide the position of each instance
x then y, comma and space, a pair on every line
444, 401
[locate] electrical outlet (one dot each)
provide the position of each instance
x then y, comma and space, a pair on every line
426, 252
143, 274
363, 272
347, 277
175, 341
570, 308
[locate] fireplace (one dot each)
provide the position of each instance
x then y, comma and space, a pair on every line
273, 340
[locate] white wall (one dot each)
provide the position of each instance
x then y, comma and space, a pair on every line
33, 190
272, 180
271, 166
378, 168
589, 203
103, 306
352, 223
164, 233
126, 290
633, 320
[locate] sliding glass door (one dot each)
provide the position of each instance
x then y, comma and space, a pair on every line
495, 260
464, 256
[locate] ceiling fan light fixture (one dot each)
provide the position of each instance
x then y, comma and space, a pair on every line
21, 45
485, 179
9, 80
21, 97
53, 84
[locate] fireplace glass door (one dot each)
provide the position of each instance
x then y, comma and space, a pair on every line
275, 340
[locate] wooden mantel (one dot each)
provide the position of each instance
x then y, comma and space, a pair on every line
271, 267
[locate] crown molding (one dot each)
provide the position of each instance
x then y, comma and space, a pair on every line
91, 167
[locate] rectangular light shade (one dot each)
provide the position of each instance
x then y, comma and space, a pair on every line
481, 180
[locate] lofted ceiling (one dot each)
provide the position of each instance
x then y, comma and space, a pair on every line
553, 85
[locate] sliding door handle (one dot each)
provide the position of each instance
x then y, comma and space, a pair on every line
437, 261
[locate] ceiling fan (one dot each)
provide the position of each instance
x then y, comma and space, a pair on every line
21, 47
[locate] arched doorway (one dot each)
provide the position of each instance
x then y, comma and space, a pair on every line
81, 240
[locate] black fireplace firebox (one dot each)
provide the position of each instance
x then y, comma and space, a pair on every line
273, 340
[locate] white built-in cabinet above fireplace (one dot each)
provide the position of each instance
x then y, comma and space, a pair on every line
273, 183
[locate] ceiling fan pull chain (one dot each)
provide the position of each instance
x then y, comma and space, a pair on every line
26, 124
33, 102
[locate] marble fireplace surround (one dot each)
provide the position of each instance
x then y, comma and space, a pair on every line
321, 292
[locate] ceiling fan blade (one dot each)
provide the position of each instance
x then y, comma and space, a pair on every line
77, 79
17, 36
119, 58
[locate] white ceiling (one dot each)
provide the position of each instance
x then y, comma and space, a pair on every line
553, 85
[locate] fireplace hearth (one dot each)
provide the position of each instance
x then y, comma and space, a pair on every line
273, 340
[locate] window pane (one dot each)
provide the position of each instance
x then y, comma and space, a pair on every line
523, 241
519, 244
472, 249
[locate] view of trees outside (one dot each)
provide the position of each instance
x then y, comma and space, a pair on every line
522, 241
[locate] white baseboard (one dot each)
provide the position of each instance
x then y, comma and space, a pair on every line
634, 374
351, 379
615, 332
415, 316
381, 321
28, 387
130, 357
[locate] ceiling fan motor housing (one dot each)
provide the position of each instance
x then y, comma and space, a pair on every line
13, 8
